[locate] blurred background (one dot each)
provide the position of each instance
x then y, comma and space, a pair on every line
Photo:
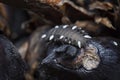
24, 25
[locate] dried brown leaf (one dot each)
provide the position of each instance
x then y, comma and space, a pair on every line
88, 25
53, 2
101, 5
105, 21
80, 9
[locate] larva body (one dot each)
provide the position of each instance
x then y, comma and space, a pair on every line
67, 34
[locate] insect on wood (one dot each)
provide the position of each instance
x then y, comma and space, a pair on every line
69, 34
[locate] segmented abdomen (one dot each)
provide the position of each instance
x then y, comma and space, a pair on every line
69, 34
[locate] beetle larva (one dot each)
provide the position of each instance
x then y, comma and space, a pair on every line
69, 34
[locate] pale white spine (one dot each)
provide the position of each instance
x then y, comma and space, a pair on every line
51, 37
